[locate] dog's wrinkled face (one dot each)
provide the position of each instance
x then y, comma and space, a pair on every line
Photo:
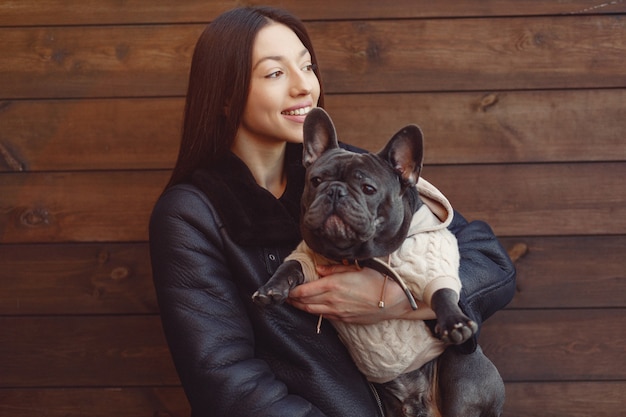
356, 206
349, 200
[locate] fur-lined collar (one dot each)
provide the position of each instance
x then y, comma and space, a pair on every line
250, 213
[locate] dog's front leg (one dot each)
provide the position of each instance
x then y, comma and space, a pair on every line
288, 275
453, 326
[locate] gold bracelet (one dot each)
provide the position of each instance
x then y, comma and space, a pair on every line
381, 303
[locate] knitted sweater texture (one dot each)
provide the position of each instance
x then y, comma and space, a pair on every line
428, 260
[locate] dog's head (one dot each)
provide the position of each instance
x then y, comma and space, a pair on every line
357, 206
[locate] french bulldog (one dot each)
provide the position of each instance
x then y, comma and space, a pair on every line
362, 208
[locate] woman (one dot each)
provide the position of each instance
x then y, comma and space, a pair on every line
229, 216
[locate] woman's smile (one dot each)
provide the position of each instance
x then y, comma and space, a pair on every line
283, 89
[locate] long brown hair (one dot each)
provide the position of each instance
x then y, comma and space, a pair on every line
219, 82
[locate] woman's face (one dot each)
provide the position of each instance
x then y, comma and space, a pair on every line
283, 87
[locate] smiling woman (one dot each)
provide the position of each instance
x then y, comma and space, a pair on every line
240, 50
283, 88
229, 216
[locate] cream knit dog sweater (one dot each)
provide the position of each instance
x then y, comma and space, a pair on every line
428, 260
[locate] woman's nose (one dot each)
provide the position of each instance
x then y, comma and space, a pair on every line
301, 84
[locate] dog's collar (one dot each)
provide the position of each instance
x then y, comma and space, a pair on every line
386, 270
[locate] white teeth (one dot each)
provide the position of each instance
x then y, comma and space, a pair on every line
298, 112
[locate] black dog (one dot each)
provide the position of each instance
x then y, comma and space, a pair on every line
364, 207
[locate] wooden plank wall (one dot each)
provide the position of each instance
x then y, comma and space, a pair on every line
523, 108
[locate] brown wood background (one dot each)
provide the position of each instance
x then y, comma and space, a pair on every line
523, 104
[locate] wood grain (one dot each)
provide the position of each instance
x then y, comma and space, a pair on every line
94, 402
75, 206
558, 399
115, 278
570, 272
495, 54
531, 345
522, 106
459, 128
516, 200
557, 345
97, 61
355, 56
491, 127
541, 199
555, 399
50, 279
58, 135
30, 12
75, 351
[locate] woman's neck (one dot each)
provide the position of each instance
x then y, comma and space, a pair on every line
266, 163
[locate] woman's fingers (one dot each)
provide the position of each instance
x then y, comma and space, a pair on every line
354, 295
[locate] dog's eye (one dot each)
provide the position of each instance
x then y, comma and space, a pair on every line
315, 181
368, 189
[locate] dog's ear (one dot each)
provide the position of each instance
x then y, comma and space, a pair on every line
405, 153
319, 135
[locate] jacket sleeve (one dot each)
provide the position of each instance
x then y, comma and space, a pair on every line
204, 320
486, 271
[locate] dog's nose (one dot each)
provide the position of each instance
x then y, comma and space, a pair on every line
336, 191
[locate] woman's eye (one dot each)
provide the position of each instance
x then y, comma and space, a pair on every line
368, 189
309, 67
315, 181
274, 74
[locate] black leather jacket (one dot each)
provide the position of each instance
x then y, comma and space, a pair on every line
213, 242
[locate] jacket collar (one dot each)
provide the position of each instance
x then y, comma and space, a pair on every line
250, 213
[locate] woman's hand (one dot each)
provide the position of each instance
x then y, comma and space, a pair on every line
352, 295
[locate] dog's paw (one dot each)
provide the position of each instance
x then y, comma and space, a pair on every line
456, 331
276, 290
268, 296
